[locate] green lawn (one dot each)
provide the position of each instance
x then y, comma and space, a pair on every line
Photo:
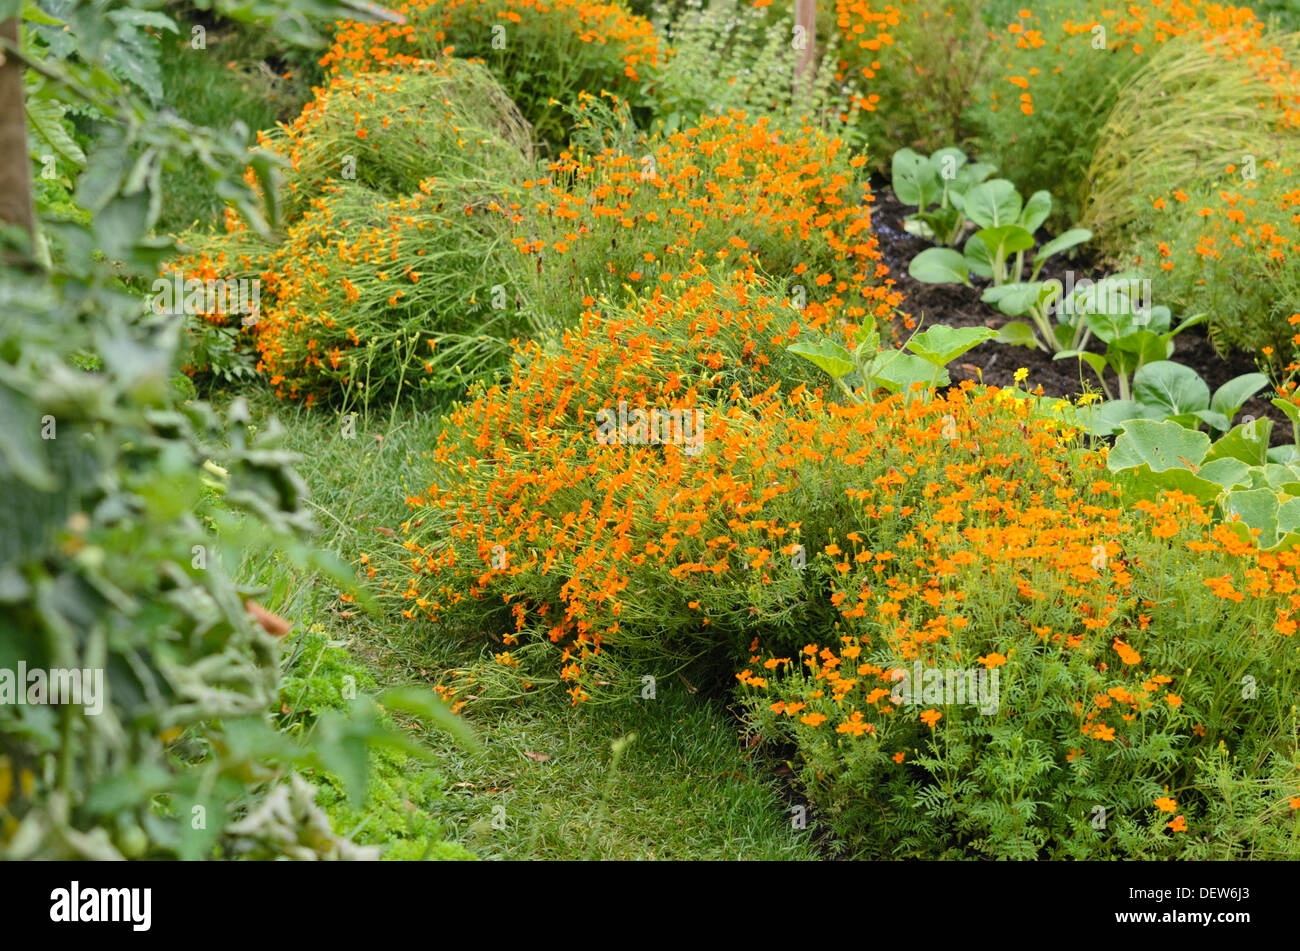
548, 782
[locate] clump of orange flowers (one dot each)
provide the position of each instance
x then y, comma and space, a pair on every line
731, 189
1230, 248
544, 51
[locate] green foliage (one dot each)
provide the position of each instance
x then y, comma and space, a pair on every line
943, 179
444, 119
1005, 224
917, 89
402, 793
129, 513
1165, 390
1254, 489
1136, 335
892, 370
231, 77
728, 55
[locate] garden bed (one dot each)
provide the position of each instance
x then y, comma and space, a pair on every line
995, 363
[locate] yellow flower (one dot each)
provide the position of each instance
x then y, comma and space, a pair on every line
1021, 375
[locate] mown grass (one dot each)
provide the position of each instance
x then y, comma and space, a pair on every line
666, 778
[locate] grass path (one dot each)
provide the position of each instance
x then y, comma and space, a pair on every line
641, 779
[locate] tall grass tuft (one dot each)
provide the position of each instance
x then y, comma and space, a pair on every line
1192, 109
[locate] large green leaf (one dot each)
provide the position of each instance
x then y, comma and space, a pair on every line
1005, 240
1062, 242
1291, 410
947, 164
46, 117
921, 225
1094, 360
895, 370
1247, 442
1257, 509
979, 259
1286, 454
1278, 477
992, 203
1232, 396
1288, 516
941, 345
1036, 210
1158, 445
914, 179
1226, 472
973, 174
1016, 300
826, 354
1172, 388
1018, 333
939, 266
1112, 416
1216, 421
1131, 351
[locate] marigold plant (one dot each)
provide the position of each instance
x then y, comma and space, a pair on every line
368, 297
730, 188
1229, 245
543, 51
1025, 657
1060, 69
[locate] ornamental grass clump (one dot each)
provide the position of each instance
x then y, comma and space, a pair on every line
369, 298
389, 131
1060, 72
1195, 106
389, 273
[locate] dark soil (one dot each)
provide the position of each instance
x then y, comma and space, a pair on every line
996, 363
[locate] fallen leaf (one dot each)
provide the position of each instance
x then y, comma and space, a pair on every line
385, 530
536, 757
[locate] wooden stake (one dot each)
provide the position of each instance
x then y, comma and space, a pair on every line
805, 16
